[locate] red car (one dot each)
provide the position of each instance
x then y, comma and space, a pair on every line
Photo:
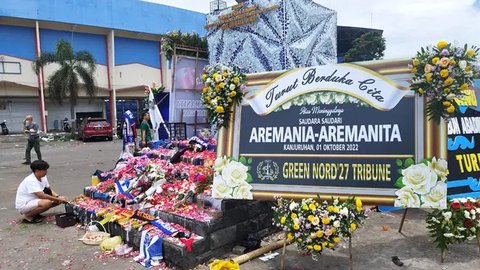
95, 128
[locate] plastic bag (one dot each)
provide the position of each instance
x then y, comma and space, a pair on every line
224, 265
121, 250
109, 244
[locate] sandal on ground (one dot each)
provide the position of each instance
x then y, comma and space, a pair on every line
33, 221
397, 261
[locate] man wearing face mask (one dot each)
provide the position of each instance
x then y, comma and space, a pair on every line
31, 128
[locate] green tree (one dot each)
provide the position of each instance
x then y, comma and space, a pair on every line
73, 68
369, 46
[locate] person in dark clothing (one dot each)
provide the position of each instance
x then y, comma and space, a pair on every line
31, 128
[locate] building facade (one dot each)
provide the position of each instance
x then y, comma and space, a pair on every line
123, 36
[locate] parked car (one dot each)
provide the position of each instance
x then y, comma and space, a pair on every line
95, 128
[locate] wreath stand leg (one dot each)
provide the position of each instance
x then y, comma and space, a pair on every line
350, 252
403, 220
444, 253
282, 259
478, 242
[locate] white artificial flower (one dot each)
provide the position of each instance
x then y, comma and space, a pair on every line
462, 64
451, 96
437, 198
339, 98
325, 98
419, 178
336, 224
448, 235
293, 205
463, 200
466, 214
219, 188
447, 215
232, 86
208, 80
406, 198
344, 211
219, 164
335, 202
243, 191
234, 173
440, 167
311, 99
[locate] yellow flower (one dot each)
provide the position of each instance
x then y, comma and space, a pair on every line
324, 244
204, 76
304, 207
330, 208
444, 73
220, 109
435, 60
442, 44
415, 62
319, 234
283, 219
353, 227
446, 90
317, 247
233, 93
290, 237
451, 109
331, 245
310, 218
218, 77
428, 77
312, 206
336, 239
358, 204
420, 91
236, 80
468, 68
470, 52
205, 90
448, 81
221, 85
325, 220
336, 210
464, 86
225, 74
293, 216
453, 62
296, 227
315, 221
229, 100
208, 98
414, 70
447, 103
310, 247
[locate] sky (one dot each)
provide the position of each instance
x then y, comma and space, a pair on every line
407, 24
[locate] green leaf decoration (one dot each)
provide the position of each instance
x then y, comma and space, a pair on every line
399, 182
249, 178
243, 160
409, 162
250, 160
399, 163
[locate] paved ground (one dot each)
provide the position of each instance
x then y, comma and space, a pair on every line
47, 246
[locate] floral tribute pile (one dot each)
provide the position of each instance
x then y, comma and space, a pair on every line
223, 86
441, 73
458, 223
315, 226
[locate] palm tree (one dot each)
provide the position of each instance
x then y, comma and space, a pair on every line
65, 82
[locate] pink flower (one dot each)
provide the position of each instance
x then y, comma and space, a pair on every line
428, 68
444, 62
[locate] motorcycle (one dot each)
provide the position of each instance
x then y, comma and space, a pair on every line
4, 127
66, 125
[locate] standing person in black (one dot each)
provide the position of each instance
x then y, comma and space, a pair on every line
31, 128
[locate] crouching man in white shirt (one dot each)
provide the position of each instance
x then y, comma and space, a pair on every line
34, 195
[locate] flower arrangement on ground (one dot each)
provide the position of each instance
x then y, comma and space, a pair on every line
232, 179
422, 185
441, 73
458, 223
223, 86
315, 226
